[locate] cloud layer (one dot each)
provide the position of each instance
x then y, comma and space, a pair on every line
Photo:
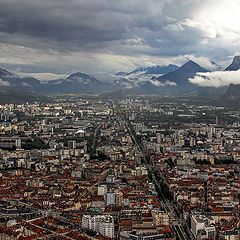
61, 36
4, 83
216, 79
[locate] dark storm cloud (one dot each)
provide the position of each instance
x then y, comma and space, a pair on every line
85, 24
79, 22
42, 34
59, 21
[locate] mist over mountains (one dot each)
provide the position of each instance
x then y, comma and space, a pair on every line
150, 70
190, 78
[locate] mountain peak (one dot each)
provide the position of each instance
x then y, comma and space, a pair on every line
192, 67
78, 74
138, 70
161, 69
79, 78
182, 74
11, 80
190, 62
215, 66
5, 73
235, 65
157, 69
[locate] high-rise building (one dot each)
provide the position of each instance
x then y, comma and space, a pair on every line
119, 198
110, 198
18, 143
103, 224
159, 137
110, 179
102, 189
72, 144
160, 217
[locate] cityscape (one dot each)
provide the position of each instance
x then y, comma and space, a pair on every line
120, 120
135, 168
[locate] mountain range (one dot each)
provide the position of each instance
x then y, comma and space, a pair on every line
232, 95
77, 83
150, 70
10, 80
167, 80
174, 82
140, 76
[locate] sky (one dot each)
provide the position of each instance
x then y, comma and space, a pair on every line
50, 39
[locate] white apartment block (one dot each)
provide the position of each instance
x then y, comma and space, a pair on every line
203, 226
103, 224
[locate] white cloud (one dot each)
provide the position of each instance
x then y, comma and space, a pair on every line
159, 84
216, 79
20, 55
43, 76
174, 27
4, 83
218, 20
